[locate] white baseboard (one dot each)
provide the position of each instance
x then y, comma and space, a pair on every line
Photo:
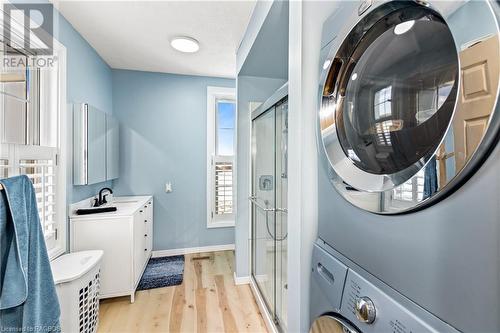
241, 279
188, 250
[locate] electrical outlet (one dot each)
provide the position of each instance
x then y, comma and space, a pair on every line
168, 187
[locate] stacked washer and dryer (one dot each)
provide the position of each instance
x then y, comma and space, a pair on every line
409, 181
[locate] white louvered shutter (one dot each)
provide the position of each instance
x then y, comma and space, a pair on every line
412, 190
223, 187
40, 165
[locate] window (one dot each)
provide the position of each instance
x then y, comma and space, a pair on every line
412, 190
221, 143
4, 165
223, 187
382, 103
40, 164
33, 138
429, 101
224, 157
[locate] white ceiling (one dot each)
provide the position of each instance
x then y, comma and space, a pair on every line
136, 34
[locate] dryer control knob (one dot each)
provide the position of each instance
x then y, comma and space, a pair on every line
365, 310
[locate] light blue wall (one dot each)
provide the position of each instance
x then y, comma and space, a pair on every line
89, 80
268, 56
163, 120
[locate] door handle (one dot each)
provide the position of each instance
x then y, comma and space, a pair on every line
253, 199
325, 273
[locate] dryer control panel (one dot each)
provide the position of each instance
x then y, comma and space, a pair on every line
374, 311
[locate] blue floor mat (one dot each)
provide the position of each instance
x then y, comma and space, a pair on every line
162, 272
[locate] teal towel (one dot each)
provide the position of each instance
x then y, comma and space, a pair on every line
28, 299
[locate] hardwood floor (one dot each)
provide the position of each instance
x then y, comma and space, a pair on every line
207, 301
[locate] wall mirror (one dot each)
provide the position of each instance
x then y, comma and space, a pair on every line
95, 145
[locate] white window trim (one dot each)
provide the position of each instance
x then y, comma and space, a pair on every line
59, 50
214, 94
63, 146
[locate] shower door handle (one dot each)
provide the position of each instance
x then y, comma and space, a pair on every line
283, 210
253, 199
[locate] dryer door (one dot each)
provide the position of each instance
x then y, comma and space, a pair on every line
332, 324
407, 102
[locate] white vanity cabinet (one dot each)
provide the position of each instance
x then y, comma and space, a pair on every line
125, 236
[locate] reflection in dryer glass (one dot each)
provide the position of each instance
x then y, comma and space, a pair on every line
397, 108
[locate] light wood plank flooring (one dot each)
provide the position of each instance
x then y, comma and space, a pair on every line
207, 301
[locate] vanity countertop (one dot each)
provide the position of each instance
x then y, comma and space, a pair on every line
126, 206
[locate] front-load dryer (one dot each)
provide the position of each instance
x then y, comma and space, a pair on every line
408, 125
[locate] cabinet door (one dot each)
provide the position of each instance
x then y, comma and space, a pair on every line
89, 145
112, 148
116, 264
96, 149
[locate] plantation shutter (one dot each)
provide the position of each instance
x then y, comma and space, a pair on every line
40, 165
223, 187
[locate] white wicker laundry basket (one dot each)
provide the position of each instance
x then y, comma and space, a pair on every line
76, 276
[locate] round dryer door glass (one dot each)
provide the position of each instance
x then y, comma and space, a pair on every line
408, 101
397, 108
331, 324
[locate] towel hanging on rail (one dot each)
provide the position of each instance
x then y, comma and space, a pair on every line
28, 299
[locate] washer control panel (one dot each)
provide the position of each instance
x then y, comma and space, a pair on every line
374, 311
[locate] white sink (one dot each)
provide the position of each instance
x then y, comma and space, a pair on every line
125, 202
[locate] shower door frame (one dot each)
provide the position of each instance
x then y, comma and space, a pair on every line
270, 105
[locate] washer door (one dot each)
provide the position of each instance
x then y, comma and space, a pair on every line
332, 324
407, 104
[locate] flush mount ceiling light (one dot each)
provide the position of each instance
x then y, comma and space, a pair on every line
403, 27
185, 44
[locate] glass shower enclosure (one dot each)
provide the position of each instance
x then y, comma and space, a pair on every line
269, 204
